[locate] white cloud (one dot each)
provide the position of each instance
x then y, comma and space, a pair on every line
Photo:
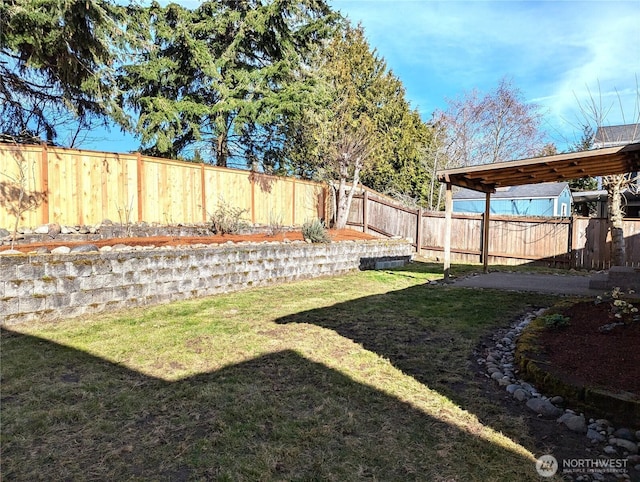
554, 51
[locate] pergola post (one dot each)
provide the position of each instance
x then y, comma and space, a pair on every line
448, 209
485, 232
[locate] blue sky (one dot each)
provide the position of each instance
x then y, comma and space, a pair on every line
560, 54
555, 52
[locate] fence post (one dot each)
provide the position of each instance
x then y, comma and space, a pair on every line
252, 176
139, 176
571, 236
325, 204
45, 183
365, 211
293, 201
204, 194
419, 231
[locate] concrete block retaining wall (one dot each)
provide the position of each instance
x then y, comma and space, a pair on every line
48, 287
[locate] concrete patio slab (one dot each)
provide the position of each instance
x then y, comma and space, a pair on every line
540, 283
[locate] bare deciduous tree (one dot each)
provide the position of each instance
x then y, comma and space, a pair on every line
499, 126
595, 113
475, 129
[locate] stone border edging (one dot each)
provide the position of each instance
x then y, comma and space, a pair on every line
501, 364
621, 407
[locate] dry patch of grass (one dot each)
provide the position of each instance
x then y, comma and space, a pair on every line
363, 376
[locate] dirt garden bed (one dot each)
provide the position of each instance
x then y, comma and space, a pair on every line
159, 241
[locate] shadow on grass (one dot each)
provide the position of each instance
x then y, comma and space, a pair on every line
425, 331
68, 415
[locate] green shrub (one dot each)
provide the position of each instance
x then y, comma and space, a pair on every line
556, 320
315, 232
227, 219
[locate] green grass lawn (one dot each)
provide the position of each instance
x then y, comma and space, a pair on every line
363, 376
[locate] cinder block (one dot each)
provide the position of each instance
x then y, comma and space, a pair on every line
30, 271
32, 304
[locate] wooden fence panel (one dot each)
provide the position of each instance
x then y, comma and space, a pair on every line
310, 202
595, 250
30, 158
273, 200
516, 240
85, 187
466, 236
229, 187
390, 220
171, 191
576, 242
355, 219
632, 241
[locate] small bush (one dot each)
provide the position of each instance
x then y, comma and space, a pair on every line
227, 219
315, 232
556, 320
276, 225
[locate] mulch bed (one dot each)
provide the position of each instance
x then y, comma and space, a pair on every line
588, 357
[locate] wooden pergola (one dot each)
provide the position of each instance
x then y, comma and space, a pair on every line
562, 167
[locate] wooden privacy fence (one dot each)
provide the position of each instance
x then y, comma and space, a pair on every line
562, 242
77, 187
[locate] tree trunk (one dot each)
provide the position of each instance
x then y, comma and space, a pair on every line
345, 198
222, 150
616, 216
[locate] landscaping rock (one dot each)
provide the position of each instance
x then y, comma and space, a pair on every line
11, 251
41, 250
595, 436
44, 229
511, 388
625, 433
54, 229
610, 450
557, 400
4, 233
503, 382
84, 248
61, 250
521, 395
627, 445
575, 423
543, 407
